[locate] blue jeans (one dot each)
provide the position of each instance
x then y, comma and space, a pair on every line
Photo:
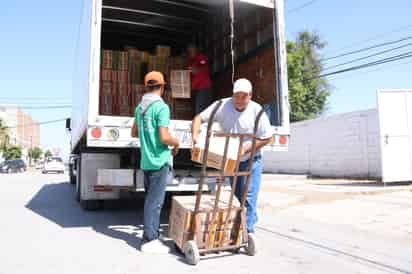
201, 99
254, 188
155, 189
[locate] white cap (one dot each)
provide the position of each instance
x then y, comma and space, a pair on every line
242, 85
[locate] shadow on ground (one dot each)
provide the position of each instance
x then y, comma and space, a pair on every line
120, 219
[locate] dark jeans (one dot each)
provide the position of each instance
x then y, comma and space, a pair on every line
155, 189
201, 99
254, 188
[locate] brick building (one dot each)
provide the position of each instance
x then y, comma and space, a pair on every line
24, 130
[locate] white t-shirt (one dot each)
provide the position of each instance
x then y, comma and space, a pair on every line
233, 121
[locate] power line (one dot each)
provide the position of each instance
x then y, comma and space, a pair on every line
40, 123
35, 98
304, 5
366, 49
376, 37
386, 68
48, 107
366, 65
38, 106
366, 57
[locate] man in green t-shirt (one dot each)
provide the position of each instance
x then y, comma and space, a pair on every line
152, 118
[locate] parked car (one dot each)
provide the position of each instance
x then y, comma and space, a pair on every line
54, 164
10, 166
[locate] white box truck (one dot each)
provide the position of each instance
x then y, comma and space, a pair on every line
105, 158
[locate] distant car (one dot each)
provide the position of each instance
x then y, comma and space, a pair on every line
11, 166
54, 164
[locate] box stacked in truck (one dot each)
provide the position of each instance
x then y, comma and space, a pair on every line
137, 92
124, 98
180, 83
159, 63
125, 71
164, 51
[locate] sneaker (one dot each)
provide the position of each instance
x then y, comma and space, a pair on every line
155, 247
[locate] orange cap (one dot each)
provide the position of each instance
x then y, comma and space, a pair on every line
154, 78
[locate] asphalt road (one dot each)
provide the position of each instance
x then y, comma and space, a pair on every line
44, 230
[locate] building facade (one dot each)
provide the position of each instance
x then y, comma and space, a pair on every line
24, 131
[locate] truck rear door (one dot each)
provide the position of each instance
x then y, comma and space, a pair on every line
395, 119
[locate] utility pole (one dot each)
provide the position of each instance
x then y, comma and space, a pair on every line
31, 149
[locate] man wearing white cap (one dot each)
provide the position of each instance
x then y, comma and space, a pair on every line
238, 115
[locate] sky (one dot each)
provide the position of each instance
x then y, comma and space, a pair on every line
39, 37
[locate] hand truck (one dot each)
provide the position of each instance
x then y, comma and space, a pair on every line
215, 239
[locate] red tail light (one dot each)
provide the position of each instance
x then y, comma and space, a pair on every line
96, 133
283, 140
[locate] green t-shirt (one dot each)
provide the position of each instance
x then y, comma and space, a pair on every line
154, 154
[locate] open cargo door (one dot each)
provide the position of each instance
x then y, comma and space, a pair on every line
395, 119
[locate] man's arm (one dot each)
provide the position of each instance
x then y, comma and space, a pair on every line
166, 138
259, 144
197, 121
134, 130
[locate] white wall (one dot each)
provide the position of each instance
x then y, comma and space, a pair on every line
344, 145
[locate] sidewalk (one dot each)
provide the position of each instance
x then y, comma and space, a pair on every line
283, 191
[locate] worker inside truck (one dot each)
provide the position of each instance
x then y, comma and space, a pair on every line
201, 84
238, 115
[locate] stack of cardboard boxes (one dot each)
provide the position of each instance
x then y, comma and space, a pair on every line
210, 232
122, 76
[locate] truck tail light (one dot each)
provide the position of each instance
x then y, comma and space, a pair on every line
283, 140
102, 189
96, 132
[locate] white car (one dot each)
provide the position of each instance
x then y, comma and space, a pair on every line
54, 164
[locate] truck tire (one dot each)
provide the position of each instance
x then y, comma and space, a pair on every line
78, 180
72, 179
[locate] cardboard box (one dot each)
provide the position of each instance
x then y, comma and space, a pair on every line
180, 83
123, 61
216, 151
135, 70
137, 92
164, 51
106, 87
182, 213
177, 63
106, 75
107, 59
121, 76
159, 63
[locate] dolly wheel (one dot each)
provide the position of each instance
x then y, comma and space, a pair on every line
191, 253
251, 245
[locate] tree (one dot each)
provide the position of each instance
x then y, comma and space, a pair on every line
35, 153
308, 93
48, 154
4, 135
12, 152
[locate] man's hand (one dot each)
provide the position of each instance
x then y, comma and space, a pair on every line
245, 150
194, 141
175, 150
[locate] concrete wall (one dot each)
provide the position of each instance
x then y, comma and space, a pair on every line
344, 145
